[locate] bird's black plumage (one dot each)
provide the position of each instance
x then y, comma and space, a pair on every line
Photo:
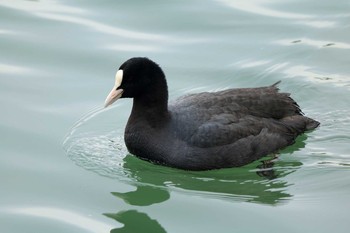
208, 130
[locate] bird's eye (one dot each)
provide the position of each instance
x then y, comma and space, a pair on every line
118, 78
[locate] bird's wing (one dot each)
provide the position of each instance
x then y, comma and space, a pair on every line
222, 118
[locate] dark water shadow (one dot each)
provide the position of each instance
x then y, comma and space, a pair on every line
135, 222
252, 183
256, 182
144, 196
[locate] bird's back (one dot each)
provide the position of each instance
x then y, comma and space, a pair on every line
243, 112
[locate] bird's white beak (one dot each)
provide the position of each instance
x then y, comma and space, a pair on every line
115, 92
113, 96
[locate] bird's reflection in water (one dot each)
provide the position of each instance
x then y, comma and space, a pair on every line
135, 222
144, 196
266, 168
258, 182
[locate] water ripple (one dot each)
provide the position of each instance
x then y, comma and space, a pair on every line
128, 47
307, 72
6, 32
65, 216
104, 28
259, 7
314, 43
256, 7
42, 6
251, 63
14, 69
103, 154
318, 23
53, 10
98, 149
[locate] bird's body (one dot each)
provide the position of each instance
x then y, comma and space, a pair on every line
208, 130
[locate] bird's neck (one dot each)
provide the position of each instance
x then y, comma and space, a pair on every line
152, 106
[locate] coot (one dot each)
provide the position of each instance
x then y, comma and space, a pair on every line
208, 130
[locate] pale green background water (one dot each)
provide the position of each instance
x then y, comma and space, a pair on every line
63, 164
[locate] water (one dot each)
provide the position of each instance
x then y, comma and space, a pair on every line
63, 163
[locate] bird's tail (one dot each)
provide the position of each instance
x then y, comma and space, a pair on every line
311, 123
